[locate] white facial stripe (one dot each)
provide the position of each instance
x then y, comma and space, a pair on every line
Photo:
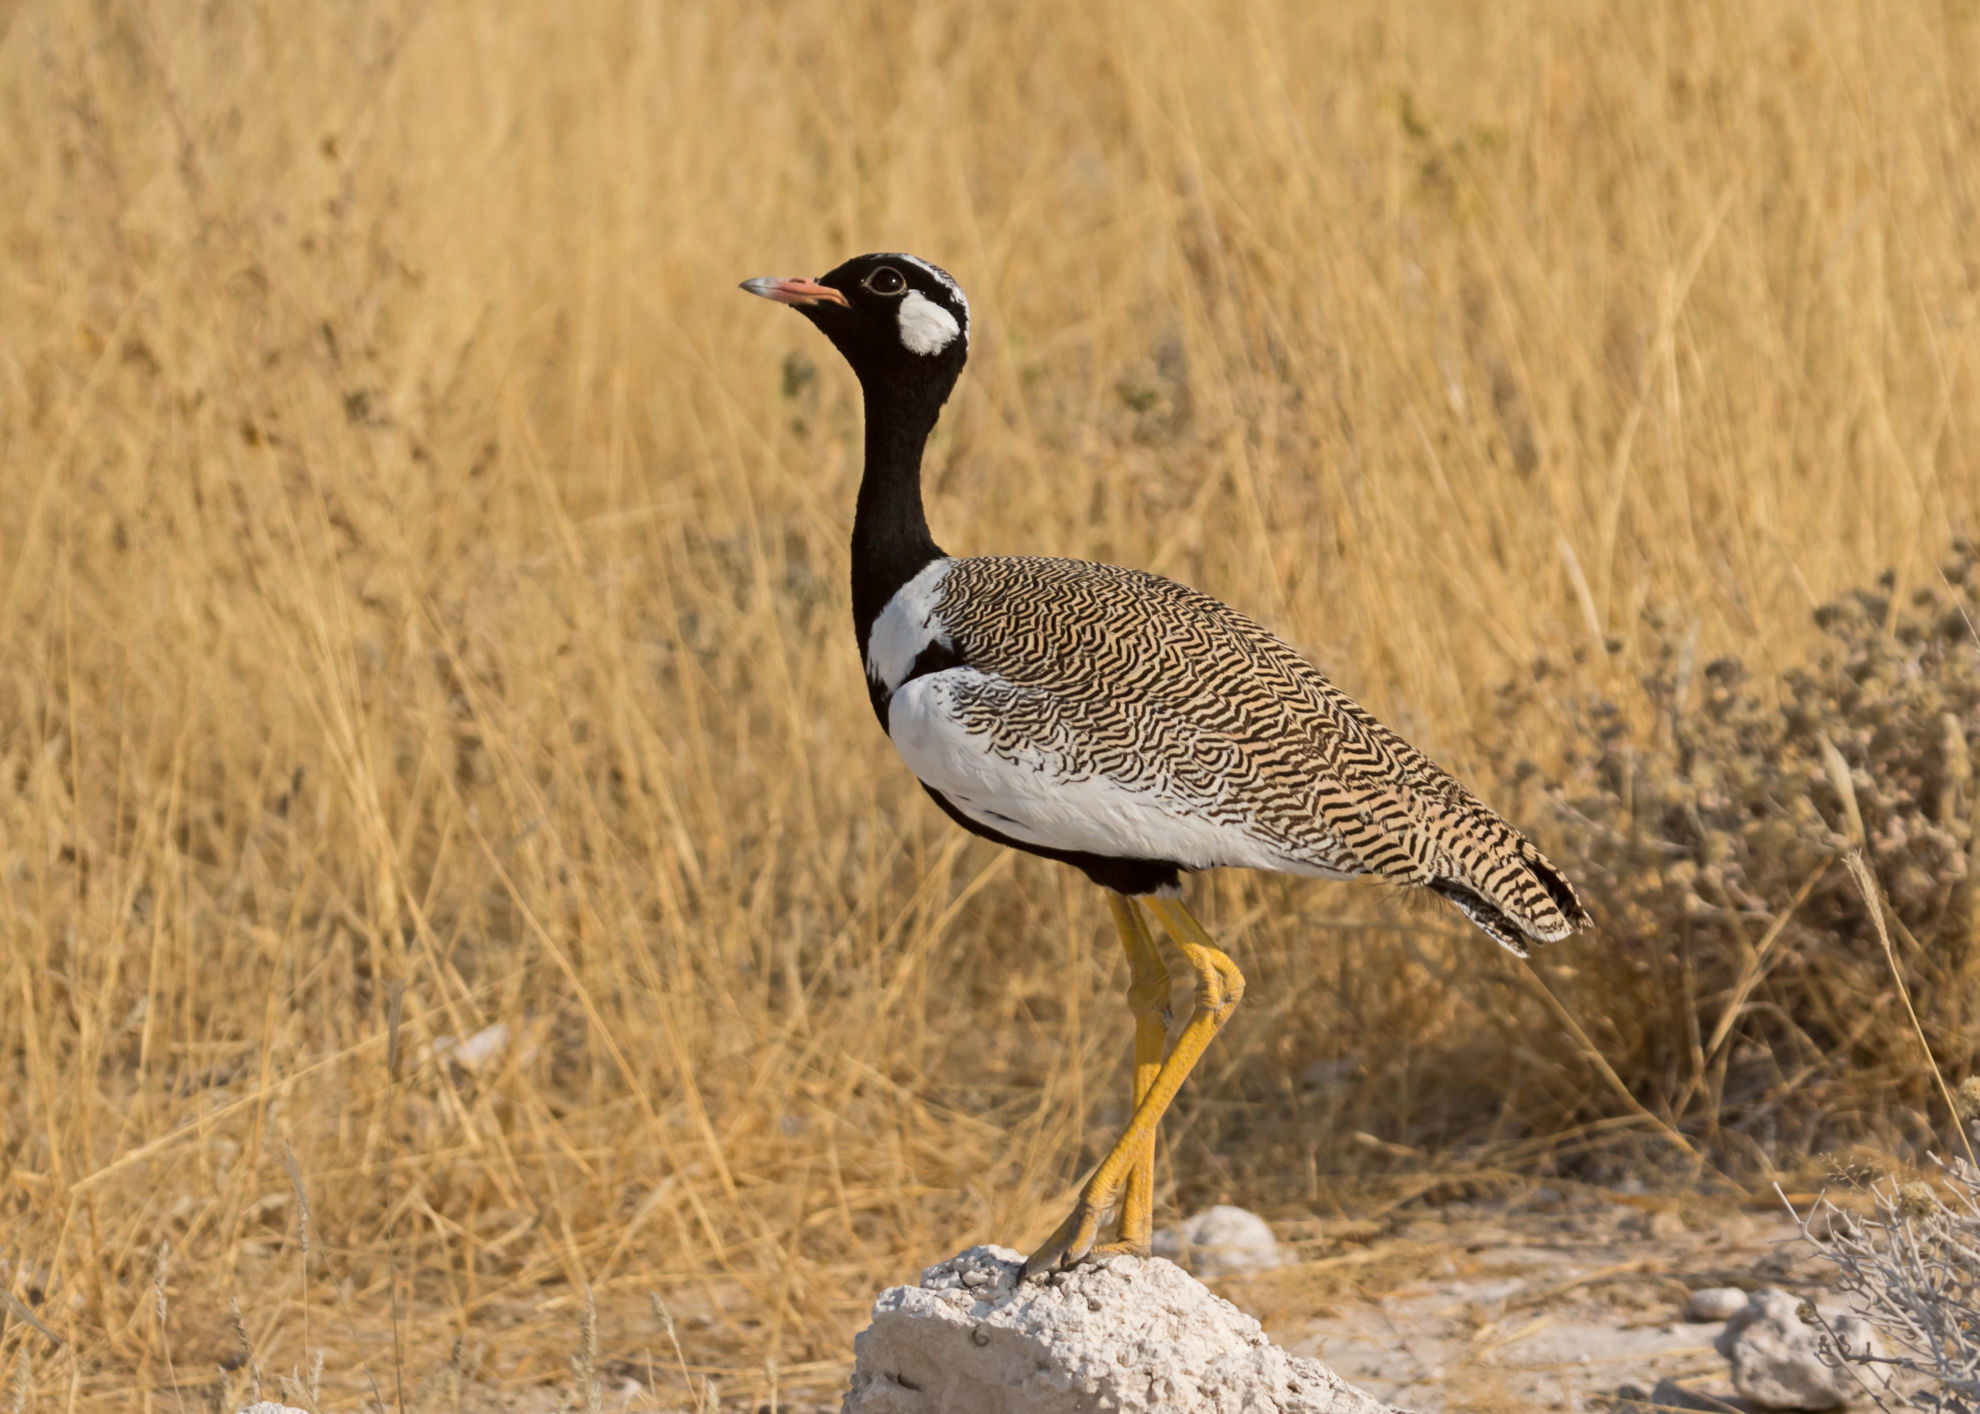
941, 277
926, 327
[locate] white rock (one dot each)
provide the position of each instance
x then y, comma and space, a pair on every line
1773, 1354
1715, 1303
1132, 1335
1220, 1240
478, 1050
269, 1406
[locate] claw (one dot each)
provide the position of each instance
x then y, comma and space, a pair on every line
1069, 1243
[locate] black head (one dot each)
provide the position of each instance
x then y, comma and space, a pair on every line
899, 321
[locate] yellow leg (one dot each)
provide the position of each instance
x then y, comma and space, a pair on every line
1148, 1000
1219, 987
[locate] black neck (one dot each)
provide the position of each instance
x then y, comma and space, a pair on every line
890, 540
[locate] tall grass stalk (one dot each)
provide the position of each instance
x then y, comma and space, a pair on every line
423, 596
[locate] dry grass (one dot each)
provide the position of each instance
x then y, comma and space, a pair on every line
422, 577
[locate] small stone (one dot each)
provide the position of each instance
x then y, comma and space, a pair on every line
1774, 1354
1714, 1303
476, 1051
269, 1406
1220, 1240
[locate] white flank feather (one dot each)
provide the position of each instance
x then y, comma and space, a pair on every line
1036, 799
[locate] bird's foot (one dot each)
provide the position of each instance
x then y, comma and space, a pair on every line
1074, 1242
1119, 1247
1070, 1243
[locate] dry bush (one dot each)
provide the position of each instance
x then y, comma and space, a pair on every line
1708, 814
1906, 1255
422, 610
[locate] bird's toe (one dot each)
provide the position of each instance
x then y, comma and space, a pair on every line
1069, 1244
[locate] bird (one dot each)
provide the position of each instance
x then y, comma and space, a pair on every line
1127, 725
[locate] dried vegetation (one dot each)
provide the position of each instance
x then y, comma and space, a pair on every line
1709, 814
436, 788
1905, 1252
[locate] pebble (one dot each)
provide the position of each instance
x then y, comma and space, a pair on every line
477, 1050
1714, 1303
1220, 1240
1775, 1351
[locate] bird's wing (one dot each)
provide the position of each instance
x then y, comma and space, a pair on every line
1087, 707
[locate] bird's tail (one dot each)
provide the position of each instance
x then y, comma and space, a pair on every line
1518, 897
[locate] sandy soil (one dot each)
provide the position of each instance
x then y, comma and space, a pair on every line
1559, 1303
1556, 1301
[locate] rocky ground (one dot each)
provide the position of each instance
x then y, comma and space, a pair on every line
1568, 1303
1589, 1301
1556, 1300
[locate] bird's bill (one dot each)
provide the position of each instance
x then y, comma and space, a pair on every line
795, 291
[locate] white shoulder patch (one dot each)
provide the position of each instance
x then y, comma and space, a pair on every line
906, 626
926, 327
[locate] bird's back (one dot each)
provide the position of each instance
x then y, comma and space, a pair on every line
1105, 674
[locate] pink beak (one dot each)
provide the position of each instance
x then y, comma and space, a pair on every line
795, 291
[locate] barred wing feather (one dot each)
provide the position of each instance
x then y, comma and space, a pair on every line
1113, 711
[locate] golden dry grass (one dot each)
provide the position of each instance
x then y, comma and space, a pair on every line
422, 577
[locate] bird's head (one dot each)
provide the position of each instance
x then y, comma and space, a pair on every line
895, 318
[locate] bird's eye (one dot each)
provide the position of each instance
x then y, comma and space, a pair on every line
885, 281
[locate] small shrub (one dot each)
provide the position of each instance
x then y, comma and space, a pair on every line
1911, 1266
1743, 991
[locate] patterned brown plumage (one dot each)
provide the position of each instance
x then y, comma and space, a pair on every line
1124, 724
1092, 671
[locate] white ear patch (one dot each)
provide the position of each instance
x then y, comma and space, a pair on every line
926, 327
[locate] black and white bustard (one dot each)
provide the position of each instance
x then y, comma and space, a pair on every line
1125, 724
